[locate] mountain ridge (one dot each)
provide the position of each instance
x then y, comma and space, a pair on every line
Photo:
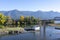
15, 14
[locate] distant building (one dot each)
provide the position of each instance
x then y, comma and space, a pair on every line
57, 20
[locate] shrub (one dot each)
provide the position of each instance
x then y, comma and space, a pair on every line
1, 26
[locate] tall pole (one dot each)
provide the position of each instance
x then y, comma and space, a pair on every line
44, 30
40, 24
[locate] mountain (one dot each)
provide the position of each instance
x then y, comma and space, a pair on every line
15, 14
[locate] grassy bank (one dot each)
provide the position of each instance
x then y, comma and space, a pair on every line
6, 30
55, 25
10, 28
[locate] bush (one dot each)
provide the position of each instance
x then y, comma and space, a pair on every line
1, 26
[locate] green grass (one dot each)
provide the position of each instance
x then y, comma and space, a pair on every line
11, 29
1, 26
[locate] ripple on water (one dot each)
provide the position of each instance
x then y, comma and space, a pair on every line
51, 34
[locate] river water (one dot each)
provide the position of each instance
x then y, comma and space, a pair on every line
51, 34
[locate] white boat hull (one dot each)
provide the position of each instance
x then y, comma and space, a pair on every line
36, 28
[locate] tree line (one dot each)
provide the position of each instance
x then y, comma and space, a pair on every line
21, 22
7, 21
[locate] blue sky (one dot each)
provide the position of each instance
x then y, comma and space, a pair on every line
30, 5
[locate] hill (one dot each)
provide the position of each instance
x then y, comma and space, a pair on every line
15, 14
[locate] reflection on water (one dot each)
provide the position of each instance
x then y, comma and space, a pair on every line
51, 34
24, 36
37, 35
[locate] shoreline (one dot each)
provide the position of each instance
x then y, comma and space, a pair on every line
5, 31
58, 25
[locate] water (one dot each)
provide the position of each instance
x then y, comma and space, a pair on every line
51, 34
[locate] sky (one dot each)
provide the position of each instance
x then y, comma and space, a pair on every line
30, 5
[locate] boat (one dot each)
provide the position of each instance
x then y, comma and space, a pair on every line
34, 28
57, 28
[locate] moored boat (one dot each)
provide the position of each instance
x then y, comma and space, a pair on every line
57, 28
34, 28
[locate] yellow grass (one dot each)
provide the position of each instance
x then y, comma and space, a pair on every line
54, 24
10, 28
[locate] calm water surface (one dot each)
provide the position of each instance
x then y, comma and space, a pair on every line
51, 34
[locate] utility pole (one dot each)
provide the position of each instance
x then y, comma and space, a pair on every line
44, 30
